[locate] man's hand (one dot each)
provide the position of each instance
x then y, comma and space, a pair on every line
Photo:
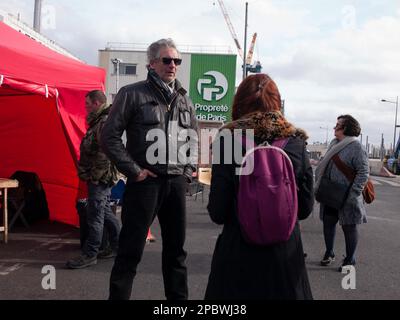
144, 174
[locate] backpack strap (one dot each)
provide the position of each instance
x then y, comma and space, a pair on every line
280, 143
248, 143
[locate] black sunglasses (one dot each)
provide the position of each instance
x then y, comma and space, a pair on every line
168, 61
338, 126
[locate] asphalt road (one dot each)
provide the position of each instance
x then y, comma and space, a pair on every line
29, 250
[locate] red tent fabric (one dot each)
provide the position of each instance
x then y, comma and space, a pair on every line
42, 117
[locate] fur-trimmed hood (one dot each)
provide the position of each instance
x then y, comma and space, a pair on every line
267, 126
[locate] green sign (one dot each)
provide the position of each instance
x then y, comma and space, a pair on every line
212, 86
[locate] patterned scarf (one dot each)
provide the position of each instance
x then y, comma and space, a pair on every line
166, 89
333, 148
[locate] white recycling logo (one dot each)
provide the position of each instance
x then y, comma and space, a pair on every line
214, 87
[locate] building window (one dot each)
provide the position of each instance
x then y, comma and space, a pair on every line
125, 69
130, 69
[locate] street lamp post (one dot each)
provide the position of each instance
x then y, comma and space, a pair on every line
245, 43
325, 128
116, 63
395, 119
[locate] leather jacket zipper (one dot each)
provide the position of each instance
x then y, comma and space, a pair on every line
165, 100
169, 116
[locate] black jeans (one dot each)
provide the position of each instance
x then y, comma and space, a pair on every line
330, 220
165, 197
99, 215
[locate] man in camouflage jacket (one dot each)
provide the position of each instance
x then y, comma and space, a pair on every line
100, 175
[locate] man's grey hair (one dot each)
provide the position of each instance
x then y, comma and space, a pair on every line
153, 51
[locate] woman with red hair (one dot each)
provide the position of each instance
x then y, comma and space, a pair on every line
239, 269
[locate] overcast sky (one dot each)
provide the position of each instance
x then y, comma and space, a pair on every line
327, 57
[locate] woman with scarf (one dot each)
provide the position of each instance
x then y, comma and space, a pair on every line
240, 270
352, 154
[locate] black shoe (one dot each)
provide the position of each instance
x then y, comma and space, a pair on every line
327, 260
345, 264
107, 253
82, 261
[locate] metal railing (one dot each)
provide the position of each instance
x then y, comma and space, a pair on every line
189, 48
22, 27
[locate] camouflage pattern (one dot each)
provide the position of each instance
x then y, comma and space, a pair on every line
94, 166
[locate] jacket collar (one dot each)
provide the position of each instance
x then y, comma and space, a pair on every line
267, 126
94, 116
153, 77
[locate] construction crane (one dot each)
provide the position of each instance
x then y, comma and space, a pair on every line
230, 27
249, 56
256, 68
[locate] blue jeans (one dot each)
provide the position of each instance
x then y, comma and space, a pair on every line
330, 220
100, 215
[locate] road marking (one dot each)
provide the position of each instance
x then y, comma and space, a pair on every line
376, 183
54, 243
382, 219
8, 270
31, 261
391, 183
56, 247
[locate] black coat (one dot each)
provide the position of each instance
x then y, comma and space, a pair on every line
139, 108
243, 271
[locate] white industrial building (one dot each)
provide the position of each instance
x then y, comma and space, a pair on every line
131, 60
317, 150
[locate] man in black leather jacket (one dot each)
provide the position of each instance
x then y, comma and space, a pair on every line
158, 160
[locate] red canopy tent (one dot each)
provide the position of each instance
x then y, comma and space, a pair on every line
42, 117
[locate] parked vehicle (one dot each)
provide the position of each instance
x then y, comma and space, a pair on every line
393, 163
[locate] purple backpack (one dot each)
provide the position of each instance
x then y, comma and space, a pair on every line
267, 197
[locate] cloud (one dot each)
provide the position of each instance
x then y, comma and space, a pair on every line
346, 71
328, 58
15, 7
